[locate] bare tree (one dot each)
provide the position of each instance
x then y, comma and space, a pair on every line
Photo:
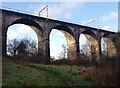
12, 47
31, 46
22, 48
25, 46
63, 53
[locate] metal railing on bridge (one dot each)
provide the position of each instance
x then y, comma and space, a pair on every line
23, 11
43, 14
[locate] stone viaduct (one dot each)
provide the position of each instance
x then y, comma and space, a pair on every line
43, 27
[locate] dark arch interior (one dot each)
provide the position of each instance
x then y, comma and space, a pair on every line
106, 35
88, 32
28, 22
64, 28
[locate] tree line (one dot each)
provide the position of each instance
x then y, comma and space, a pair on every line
25, 46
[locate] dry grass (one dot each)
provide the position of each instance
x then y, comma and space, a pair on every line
106, 75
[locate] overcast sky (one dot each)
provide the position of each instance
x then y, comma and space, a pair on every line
75, 12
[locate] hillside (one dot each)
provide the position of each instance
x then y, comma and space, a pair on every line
16, 74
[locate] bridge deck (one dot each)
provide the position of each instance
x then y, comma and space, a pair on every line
81, 26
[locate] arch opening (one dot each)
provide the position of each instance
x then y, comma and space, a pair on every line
16, 34
83, 45
57, 40
34, 31
25, 40
103, 46
67, 40
91, 49
110, 49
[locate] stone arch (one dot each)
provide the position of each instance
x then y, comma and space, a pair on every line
89, 32
27, 21
35, 26
71, 46
69, 35
21, 30
63, 28
92, 43
38, 30
110, 49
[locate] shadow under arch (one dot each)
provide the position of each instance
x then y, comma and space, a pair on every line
63, 28
69, 35
26, 21
89, 32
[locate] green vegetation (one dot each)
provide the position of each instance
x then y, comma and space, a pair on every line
15, 74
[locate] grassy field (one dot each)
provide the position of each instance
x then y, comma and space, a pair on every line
15, 74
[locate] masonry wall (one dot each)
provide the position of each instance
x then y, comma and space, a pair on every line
71, 32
